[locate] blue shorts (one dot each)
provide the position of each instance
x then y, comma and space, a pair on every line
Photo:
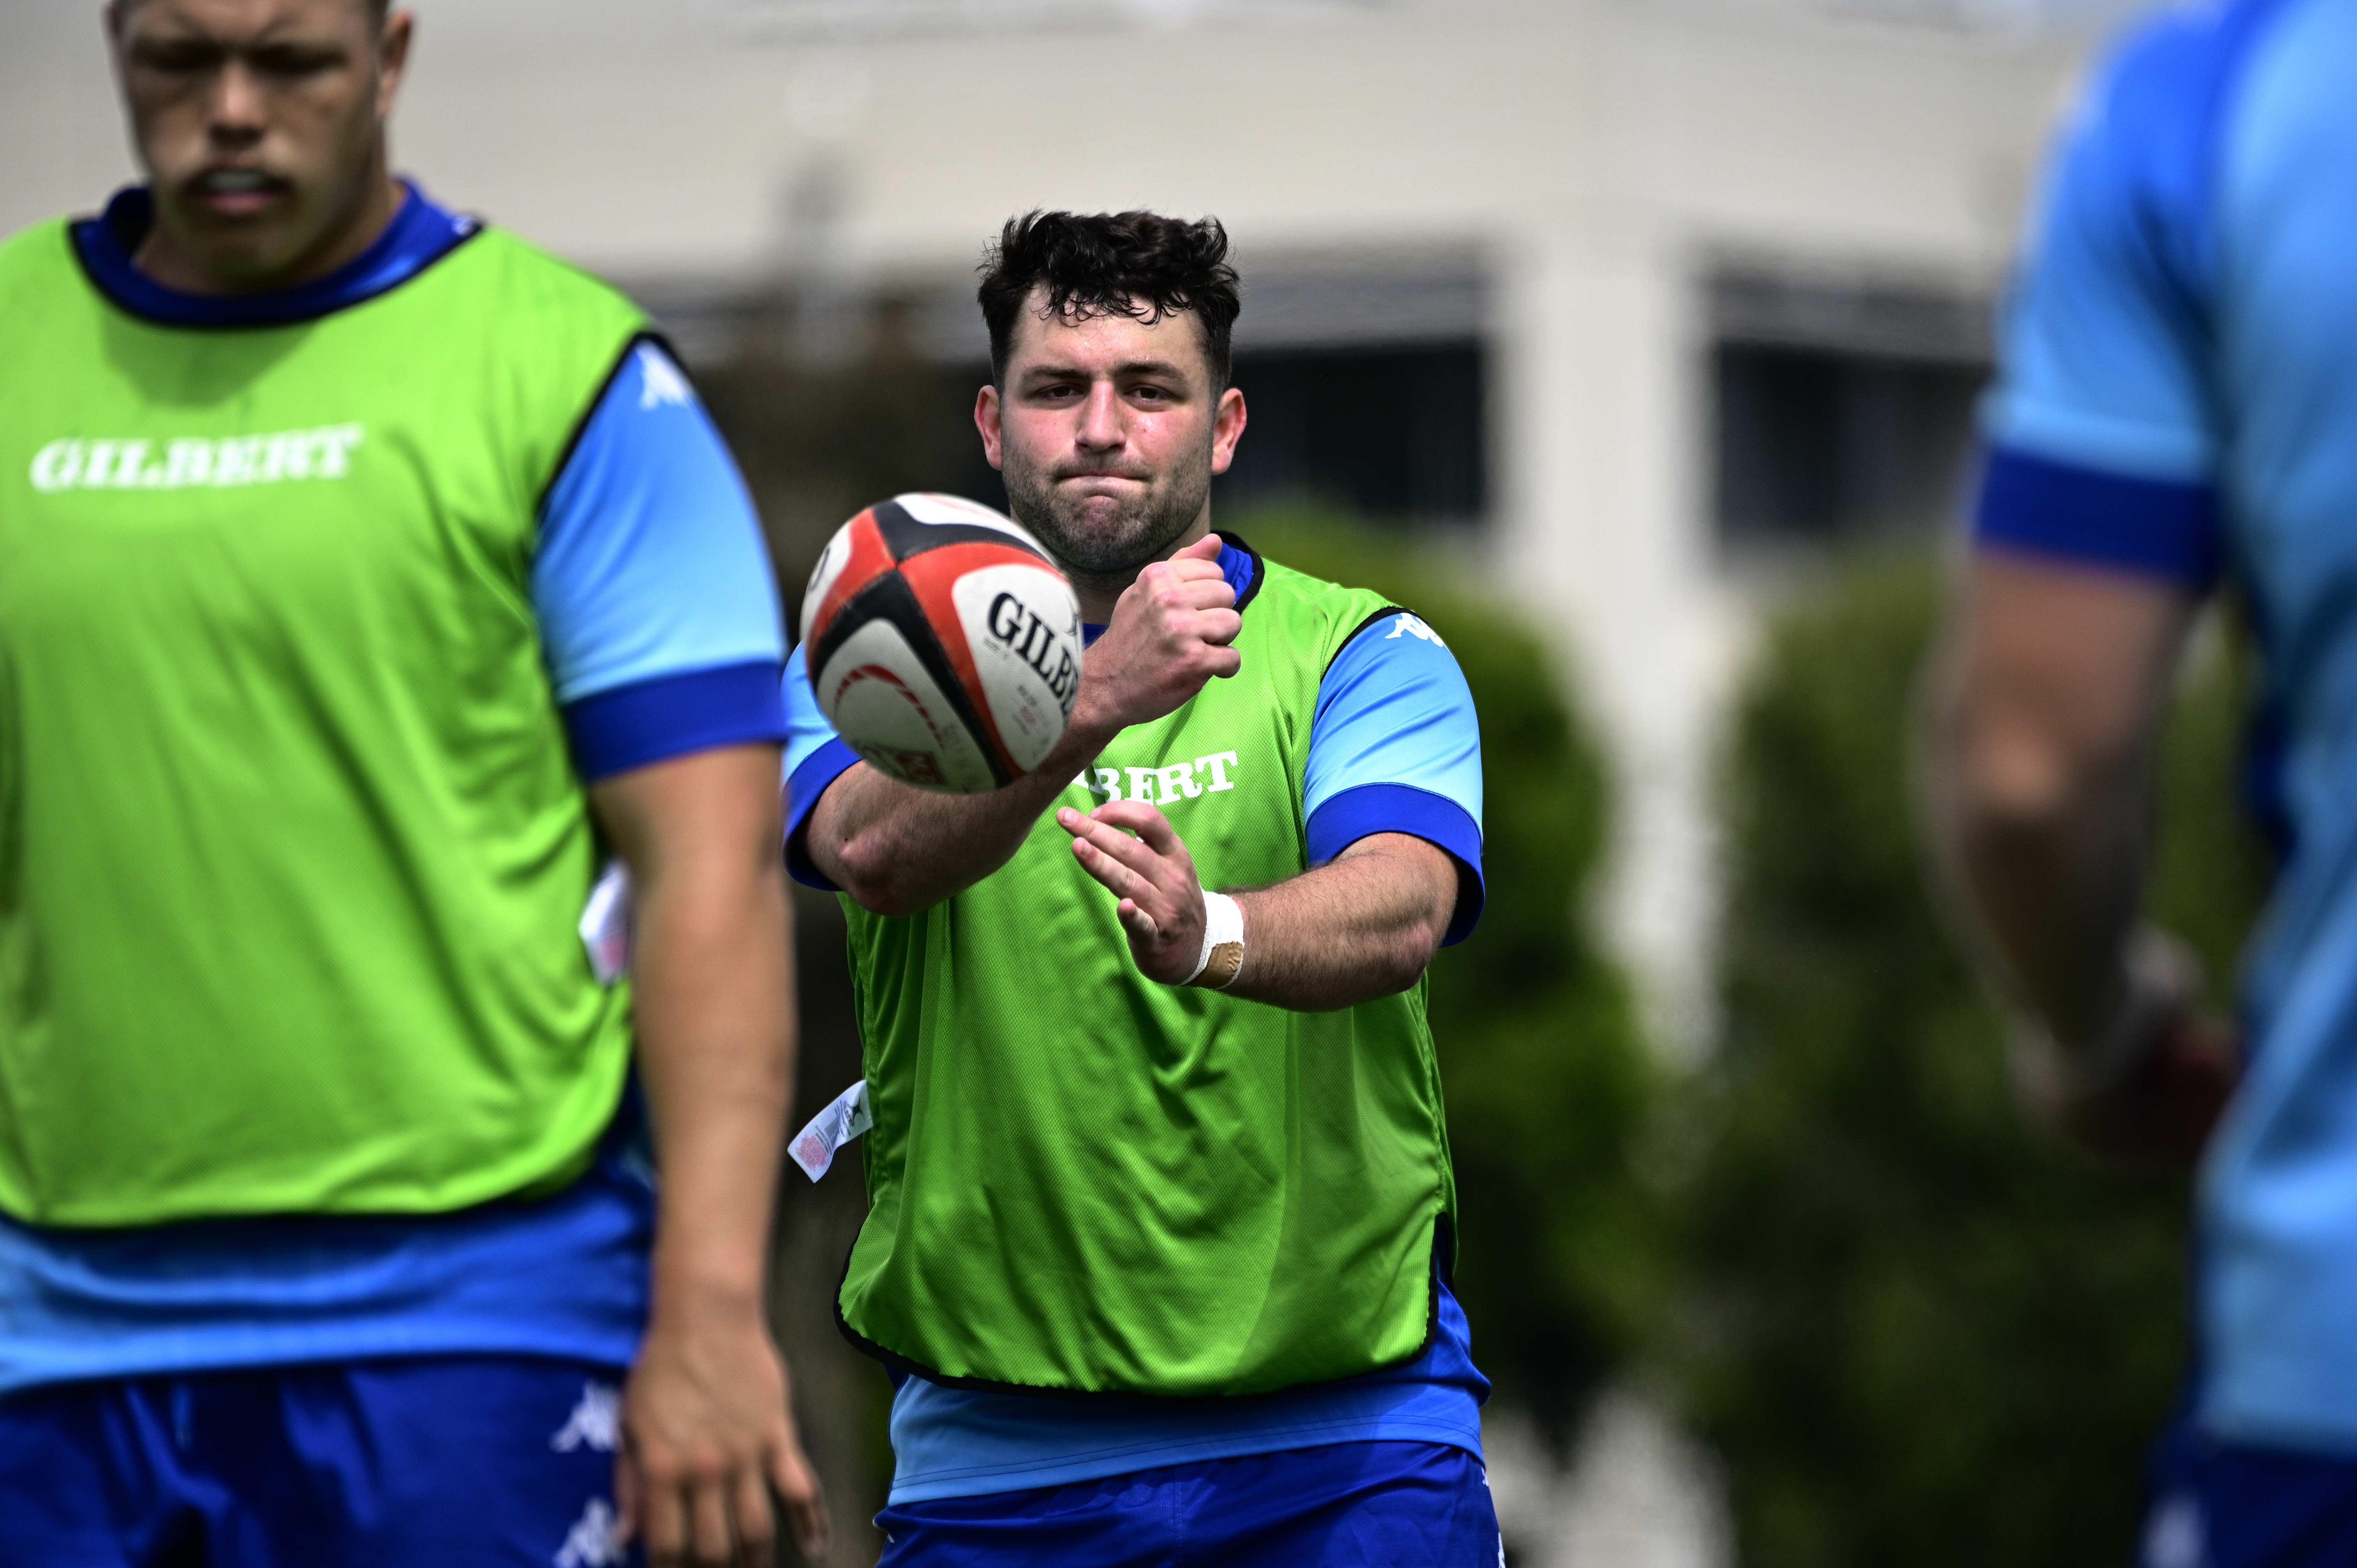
1348, 1505
458, 1461
2238, 1505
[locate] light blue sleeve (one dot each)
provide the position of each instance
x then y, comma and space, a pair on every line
1396, 746
2106, 333
650, 562
815, 757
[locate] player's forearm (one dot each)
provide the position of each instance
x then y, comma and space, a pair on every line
2051, 880
711, 982
714, 1009
708, 1421
898, 850
2042, 825
2040, 773
1362, 927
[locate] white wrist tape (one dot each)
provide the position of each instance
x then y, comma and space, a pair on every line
1223, 943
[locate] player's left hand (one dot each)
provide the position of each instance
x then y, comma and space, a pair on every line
1132, 849
707, 1434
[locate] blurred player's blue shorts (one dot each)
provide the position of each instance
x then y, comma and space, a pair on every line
1348, 1505
456, 1462
2238, 1505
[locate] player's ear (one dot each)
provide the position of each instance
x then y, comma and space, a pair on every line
392, 57
985, 420
1227, 429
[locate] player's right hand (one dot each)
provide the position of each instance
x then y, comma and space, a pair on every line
1170, 634
707, 1434
2158, 1120
1132, 849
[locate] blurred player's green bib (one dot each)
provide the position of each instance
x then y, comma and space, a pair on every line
291, 849
1082, 1180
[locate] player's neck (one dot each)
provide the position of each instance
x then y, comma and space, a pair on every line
352, 232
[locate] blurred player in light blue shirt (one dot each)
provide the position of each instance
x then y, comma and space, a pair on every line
2177, 410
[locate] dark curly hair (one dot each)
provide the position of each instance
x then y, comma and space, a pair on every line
1139, 264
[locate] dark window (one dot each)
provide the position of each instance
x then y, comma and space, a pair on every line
1822, 446
1394, 433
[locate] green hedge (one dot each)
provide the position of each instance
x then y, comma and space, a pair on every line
1919, 1334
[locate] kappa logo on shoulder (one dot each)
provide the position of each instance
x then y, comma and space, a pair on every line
659, 383
1412, 626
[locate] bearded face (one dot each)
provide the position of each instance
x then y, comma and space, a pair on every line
1103, 532
1108, 428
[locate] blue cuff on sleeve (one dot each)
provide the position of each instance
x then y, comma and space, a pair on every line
809, 781
1351, 815
673, 715
2149, 527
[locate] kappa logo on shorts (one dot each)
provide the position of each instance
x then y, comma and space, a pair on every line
76, 463
595, 1423
1164, 785
2173, 1536
595, 1540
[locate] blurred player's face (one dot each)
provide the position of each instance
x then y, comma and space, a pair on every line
1109, 432
262, 127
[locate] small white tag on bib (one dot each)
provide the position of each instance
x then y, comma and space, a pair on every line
813, 1148
605, 924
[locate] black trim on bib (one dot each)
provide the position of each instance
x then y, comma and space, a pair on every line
1444, 1252
589, 412
1260, 567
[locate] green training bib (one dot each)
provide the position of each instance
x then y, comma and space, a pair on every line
1085, 1181
291, 848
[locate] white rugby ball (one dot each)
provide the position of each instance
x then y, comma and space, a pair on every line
943, 643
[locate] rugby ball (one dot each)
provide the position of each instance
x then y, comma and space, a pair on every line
942, 644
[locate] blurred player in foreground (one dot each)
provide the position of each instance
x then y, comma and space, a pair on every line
362, 572
2178, 406
1112, 1159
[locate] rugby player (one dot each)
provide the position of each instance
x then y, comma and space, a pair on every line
2177, 412
365, 577
1159, 1241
